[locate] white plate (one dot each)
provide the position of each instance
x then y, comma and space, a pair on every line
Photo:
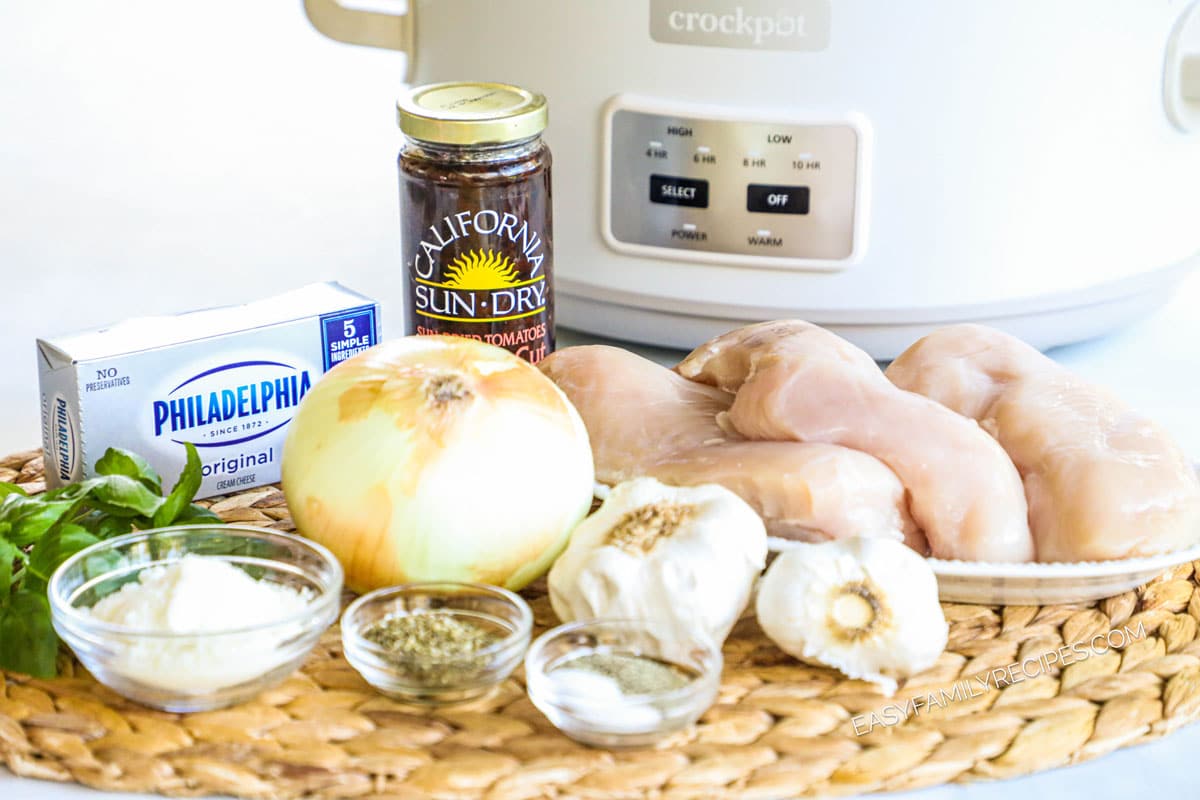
1038, 584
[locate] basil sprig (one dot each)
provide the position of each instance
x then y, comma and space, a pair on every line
39, 533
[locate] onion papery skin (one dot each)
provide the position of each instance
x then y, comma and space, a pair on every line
437, 458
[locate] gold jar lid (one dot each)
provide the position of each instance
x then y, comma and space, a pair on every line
471, 113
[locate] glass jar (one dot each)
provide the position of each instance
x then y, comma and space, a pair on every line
475, 211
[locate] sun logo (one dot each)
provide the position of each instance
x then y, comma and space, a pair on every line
476, 269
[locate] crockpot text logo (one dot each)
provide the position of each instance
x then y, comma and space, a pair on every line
753, 24
740, 23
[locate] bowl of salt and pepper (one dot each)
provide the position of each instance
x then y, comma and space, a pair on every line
603, 682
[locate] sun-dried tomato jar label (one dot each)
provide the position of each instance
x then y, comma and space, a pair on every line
476, 217
483, 274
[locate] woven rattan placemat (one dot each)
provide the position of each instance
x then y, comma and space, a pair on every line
780, 729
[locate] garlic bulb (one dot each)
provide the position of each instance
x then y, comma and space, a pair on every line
654, 551
868, 607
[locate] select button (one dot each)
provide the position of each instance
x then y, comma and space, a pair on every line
777, 199
678, 191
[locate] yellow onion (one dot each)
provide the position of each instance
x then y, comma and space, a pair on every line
438, 458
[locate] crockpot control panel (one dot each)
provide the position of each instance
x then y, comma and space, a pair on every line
726, 189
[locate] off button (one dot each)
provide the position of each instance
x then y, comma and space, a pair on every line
777, 199
678, 191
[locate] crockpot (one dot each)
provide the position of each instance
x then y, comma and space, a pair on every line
878, 168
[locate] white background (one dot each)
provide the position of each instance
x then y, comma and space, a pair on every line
158, 155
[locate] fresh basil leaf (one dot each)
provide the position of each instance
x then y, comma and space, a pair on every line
107, 527
73, 491
10, 505
184, 490
116, 461
90, 519
30, 517
56, 547
194, 514
37, 534
103, 562
11, 488
123, 496
9, 554
28, 642
32, 583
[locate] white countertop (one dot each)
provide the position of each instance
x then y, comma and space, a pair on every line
1155, 364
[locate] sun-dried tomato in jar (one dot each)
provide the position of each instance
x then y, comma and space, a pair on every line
475, 215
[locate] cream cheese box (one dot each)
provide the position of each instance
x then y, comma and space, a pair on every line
228, 380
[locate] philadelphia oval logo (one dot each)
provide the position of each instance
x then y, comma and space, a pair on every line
62, 439
231, 404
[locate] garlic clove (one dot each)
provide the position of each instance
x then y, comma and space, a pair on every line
688, 555
867, 607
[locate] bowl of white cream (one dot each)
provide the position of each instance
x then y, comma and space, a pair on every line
194, 618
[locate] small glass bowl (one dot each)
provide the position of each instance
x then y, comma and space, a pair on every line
194, 671
417, 678
634, 719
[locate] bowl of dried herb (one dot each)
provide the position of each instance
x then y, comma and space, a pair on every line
436, 643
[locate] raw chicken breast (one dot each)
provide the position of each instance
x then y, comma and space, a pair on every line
797, 381
1102, 481
635, 411
810, 492
643, 419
